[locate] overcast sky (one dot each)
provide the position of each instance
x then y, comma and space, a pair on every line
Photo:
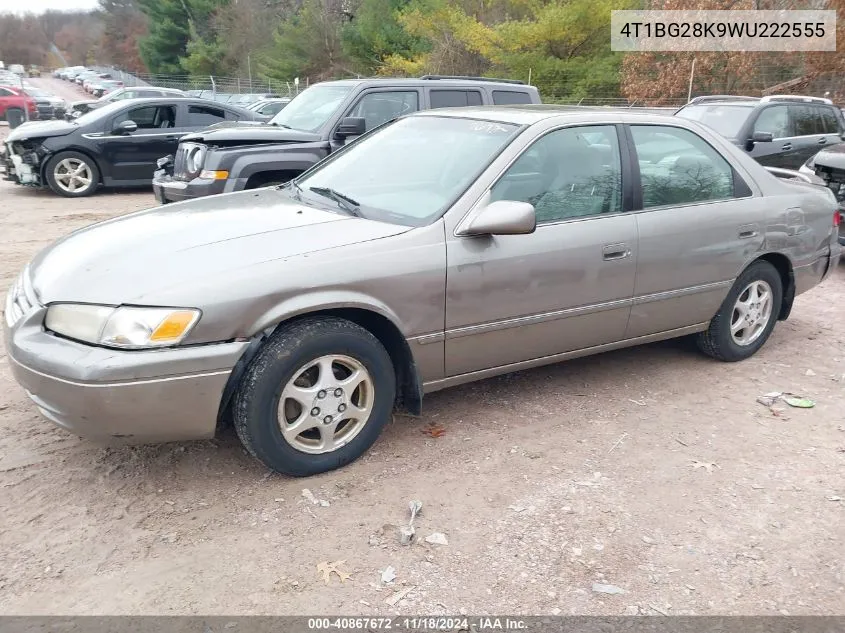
39, 6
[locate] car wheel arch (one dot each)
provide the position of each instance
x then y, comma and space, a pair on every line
380, 322
783, 265
78, 150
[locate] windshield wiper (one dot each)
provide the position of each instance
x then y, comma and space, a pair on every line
348, 204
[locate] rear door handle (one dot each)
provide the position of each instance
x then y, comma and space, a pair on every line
822, 141
615, 251
786, 147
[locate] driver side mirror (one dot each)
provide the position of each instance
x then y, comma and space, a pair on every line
125, 127
351, 126
762, 137
503, 217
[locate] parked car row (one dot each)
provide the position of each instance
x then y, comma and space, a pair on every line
21, 101
441, 247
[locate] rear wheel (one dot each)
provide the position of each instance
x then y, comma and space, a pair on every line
315, 397
72, 174
747, 316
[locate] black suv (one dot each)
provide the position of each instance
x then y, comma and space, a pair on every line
116, 145
777, 131
315, 123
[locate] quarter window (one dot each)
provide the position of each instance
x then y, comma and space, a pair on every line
505, 97
679, 167
569, 173
774, 120
454, 98
379, 107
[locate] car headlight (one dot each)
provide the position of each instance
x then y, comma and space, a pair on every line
123, 327
195, 158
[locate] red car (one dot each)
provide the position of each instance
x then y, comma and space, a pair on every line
14, 99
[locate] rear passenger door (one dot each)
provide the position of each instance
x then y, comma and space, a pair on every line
697, 223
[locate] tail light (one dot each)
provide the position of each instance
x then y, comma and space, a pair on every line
837, 217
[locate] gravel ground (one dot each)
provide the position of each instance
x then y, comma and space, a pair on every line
651, 469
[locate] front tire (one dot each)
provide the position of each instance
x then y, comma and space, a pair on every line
72, 175
747, 316
315, 397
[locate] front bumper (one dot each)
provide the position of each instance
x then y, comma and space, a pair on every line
118, 396
168, 189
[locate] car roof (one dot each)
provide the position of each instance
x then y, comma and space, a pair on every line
727, 102
533, 113
417, 82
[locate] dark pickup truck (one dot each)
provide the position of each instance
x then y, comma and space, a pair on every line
315, 123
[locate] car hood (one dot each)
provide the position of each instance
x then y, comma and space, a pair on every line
832, 157
250, 133
41, 129
130, 259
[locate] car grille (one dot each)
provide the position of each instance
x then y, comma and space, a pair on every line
20, 300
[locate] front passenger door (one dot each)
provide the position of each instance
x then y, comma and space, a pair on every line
781, 151
568, 285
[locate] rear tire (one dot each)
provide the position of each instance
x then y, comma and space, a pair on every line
743, 323
72, 175
315, 397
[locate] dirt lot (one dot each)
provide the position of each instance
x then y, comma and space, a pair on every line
653, 469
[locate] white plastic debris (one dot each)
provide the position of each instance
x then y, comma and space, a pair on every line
437, 538
608, 589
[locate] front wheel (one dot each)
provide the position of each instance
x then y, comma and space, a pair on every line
747, 316
72, 175
315, 397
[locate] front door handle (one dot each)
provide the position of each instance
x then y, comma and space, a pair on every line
615, 251
822, 141
786, 147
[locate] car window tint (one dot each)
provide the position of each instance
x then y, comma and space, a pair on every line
679, 167
454, 98
569, 173
829, 123
805, 120
379, 107
204, 115
150, 117
505, 97
774, 120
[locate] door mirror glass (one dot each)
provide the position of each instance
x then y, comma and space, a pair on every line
762, 137
125, 127
503, 217
351, 126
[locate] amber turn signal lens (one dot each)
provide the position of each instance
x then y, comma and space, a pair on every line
174, 326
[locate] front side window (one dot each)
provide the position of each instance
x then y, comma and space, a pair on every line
412, 170
312, 108
774, 120
829, 123
150, 117
380, 107
569, 173
678, 167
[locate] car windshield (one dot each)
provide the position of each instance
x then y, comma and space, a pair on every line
311, 108
725, 119
410, 171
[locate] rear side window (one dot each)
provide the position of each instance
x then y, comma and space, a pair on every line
805, 120
505, 97
204, 115
454, 98
678, 167
829, 123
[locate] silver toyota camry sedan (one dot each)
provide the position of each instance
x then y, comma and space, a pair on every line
444, 247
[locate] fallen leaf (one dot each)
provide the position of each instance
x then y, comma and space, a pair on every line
434, 430
326, 569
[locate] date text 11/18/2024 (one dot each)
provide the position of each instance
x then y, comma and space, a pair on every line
422, 623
